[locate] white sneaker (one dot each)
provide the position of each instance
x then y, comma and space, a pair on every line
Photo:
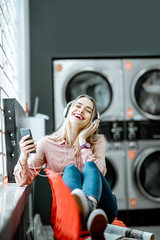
96, 224
83, 204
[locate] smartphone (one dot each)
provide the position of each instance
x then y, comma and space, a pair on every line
24, 132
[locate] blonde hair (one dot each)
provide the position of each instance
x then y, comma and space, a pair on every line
63, 132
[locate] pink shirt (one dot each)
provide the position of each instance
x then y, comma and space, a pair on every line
57, 155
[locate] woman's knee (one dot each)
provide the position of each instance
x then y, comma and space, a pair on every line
72, 177
70, 168
91, 169
71, 171
89, 165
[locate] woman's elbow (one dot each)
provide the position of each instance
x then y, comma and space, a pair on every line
21, 181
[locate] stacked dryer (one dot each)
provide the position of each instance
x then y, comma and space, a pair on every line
142, 114
103, 80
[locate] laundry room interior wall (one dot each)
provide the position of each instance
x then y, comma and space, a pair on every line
66, 29
79, 29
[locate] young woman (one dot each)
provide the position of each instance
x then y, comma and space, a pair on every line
78, 152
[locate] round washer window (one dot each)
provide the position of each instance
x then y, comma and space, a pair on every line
147, 92
111, 174
92, 84
149, 174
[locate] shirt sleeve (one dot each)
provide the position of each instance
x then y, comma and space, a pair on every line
96, 154
25, 174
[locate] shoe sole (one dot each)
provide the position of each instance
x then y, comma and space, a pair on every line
97, 223
82, 203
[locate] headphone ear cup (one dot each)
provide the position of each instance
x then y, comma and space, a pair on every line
66, 109
65, 112
97, 116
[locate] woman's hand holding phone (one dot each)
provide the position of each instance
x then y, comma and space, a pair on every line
27, 146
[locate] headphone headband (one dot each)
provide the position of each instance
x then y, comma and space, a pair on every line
66, 110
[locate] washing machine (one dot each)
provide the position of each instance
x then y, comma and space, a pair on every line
143, 164
115, 160
100, 78
142, 88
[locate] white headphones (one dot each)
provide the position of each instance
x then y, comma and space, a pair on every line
66, 110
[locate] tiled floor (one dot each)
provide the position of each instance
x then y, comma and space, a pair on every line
153, 229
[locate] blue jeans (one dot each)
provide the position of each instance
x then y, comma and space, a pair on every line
93, 183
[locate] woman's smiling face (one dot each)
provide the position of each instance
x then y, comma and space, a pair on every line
80, 113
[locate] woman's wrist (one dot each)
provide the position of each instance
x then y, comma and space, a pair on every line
82, 141
23, 160
22, 163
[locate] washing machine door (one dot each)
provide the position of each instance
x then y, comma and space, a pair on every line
93, 84
146, 93
111, 175
147, 173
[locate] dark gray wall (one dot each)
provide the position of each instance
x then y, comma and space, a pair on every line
84, 28
87, 28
